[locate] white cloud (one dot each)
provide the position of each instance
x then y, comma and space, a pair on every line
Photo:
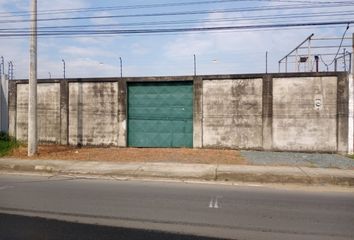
85, 52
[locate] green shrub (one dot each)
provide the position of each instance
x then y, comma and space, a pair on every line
7, 144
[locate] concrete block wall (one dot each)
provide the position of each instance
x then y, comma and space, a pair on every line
232, 113
305, 114
284, 112
48, 112
93, 113
278, 112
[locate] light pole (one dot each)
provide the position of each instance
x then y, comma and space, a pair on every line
64, 68
32, 88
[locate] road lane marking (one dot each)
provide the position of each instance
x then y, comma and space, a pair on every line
214, 203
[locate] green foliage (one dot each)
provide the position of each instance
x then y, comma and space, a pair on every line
7, 144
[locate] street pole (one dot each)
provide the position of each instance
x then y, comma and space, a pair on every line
32, 88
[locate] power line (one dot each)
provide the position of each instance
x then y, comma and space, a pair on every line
183, 33
183, 13
161, 5
174, 30
192, 21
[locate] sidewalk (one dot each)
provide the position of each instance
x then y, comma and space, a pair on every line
185, 171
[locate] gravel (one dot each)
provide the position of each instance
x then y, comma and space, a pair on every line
298, 159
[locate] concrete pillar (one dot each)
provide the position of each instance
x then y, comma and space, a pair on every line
198, 112
4, 117
351, 115
267, 112
12, 108
64, 112
122, 112
342, 113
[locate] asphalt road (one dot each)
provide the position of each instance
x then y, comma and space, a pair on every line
171, 210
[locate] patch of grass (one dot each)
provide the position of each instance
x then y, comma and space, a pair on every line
351, 156
7, 144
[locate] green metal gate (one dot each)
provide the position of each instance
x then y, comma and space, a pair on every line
160, 114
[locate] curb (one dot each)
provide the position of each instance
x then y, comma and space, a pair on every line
204, 172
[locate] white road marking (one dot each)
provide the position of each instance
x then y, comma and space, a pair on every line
214, 203
211, 205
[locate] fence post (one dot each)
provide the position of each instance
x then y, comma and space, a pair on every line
12, 108
267, 112
64, 112
4, 106
122, 112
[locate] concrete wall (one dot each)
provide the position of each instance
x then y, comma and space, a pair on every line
310, 112
304, 114
48, 112
232, 113
93, 113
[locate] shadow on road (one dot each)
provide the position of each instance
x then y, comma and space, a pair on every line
20, 227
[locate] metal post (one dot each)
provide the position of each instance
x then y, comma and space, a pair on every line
350, 62
2, 65
266, 61
9, 69
279, 63
64, 70
121, 67
195, 65
297, 61
32, 98
286, 64
309, 60
12, 70
335, 65
316, 60
344, 62
50, 75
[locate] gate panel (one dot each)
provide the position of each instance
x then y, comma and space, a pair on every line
160, 114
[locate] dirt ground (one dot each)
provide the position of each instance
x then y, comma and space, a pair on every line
182, 155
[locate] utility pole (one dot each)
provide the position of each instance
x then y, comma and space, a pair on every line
32, 88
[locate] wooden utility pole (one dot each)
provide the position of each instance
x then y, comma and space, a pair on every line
32, 86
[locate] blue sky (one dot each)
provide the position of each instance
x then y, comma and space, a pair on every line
163, 54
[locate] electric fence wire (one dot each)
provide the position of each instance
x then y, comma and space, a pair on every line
340, 46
